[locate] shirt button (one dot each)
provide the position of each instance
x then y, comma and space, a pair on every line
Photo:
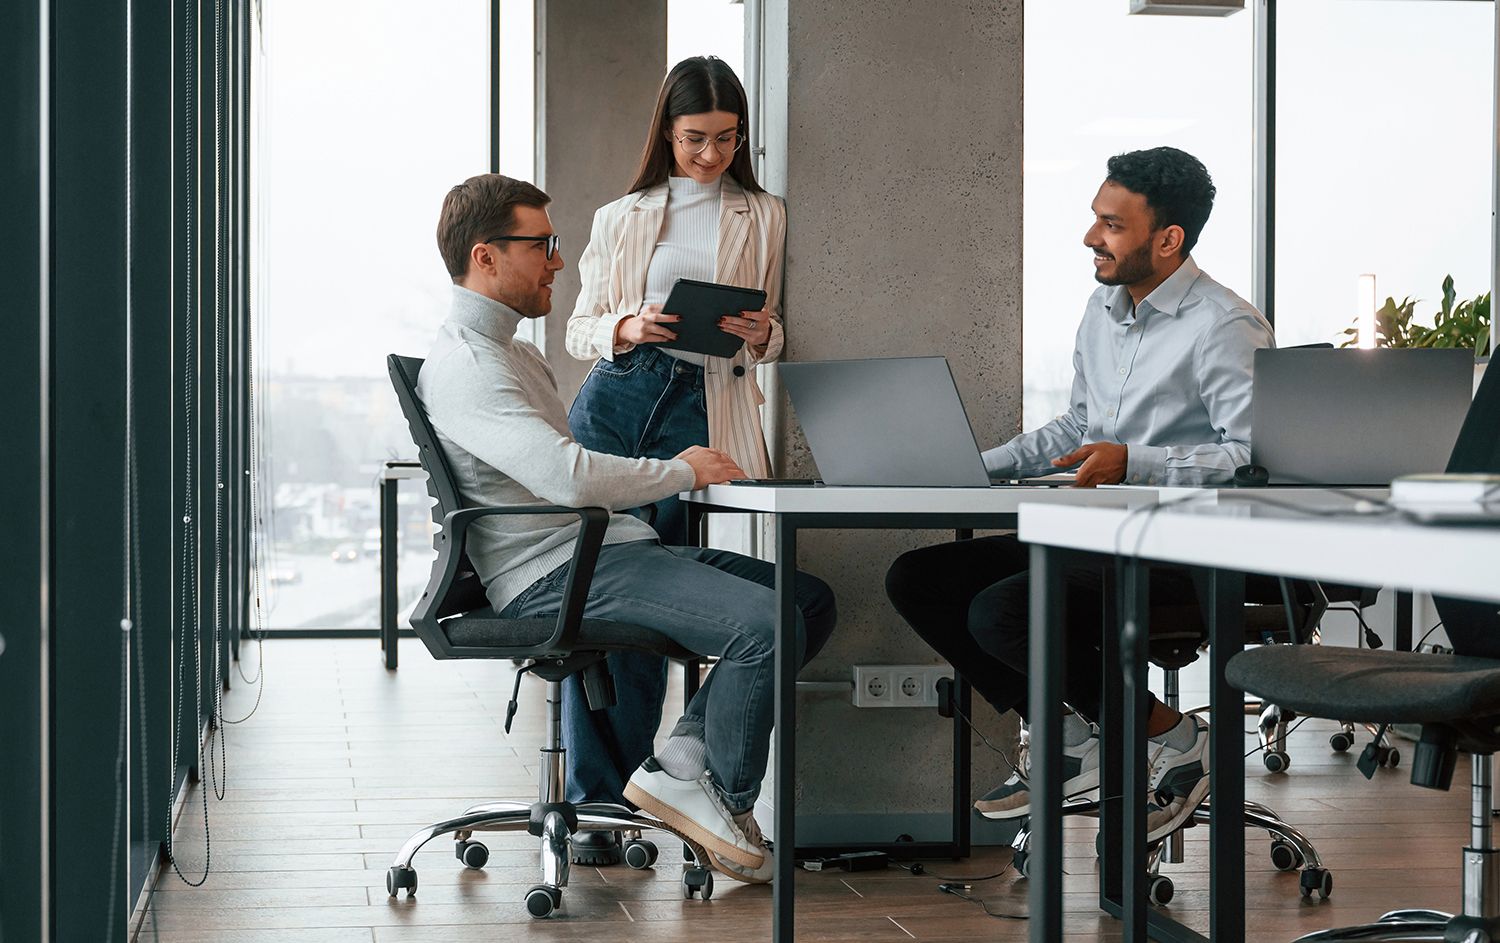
1110, 414
1122, 371
739, 371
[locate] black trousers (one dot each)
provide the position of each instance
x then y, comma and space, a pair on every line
970, 600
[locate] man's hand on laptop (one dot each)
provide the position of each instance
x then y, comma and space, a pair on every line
1104, 463
710, 466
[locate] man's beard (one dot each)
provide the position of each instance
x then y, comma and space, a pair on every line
1135, 267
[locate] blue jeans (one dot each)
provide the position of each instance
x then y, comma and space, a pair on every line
644, 404
711, 602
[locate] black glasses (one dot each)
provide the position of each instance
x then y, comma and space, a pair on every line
551, 242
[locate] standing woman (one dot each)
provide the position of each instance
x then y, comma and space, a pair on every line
694, 211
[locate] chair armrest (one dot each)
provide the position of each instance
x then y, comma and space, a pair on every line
593, 522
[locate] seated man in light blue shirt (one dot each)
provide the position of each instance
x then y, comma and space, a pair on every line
1161, 395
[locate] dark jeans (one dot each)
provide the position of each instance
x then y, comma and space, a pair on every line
711, 602
643, 404
970, 601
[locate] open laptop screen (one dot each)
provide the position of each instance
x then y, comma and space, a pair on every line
887, 422
1357, 417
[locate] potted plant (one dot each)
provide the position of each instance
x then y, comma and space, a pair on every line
1456, 324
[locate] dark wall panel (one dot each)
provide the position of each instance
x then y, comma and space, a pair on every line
22, 815
87, 391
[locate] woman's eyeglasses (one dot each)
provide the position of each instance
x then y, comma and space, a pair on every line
551, 242
698, 143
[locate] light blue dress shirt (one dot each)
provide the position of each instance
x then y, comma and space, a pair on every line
1169, 379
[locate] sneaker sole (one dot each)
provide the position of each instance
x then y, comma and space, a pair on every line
734, 875
682, 823
1078, 787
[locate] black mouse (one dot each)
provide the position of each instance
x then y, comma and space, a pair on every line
1251, 476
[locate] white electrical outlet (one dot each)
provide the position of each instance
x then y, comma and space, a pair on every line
898, 685
872, 686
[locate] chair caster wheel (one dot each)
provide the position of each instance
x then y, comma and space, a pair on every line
698, 881
472, 853
1160, 891
1022, 863
640, 854
1317, 879
542, 899
1277, 761
1285, 856
1393, 758
397, 878
1341, 742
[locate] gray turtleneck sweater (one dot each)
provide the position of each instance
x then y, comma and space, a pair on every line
493, 401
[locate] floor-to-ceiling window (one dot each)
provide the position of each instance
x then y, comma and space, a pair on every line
1100, 82
706, 28
369, 110
1384, 131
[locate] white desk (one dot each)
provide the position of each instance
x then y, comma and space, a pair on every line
1370, 550
1231, 536
807, 507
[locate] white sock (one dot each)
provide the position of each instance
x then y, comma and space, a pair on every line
684, 755
1181, 737
1076, 730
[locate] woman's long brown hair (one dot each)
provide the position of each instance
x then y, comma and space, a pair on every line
693, 87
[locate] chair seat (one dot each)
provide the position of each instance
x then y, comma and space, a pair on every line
1364, 685
482, 628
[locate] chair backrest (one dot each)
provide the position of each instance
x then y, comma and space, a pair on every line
1477, 448
1474, 628
465, 593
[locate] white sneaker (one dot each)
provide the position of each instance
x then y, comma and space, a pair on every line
761, 875
1178, 784
1012, 798
696, 808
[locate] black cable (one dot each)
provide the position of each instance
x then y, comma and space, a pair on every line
957, 892
1418, 647
917, 869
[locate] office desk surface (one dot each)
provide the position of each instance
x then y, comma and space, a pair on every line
1369, 549
805, 499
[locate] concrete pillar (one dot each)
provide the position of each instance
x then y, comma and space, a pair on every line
894, 131
599, 70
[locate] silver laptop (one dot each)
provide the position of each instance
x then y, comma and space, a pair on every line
1357, 417
892, 422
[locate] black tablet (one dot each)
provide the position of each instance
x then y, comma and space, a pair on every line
701, 305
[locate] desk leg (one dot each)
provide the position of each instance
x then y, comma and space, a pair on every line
388, 551
1044, 696
1226, 830
962, 767
1134, 613
1111, 756
963, 758
784, 915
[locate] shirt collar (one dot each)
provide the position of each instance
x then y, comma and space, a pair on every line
1166, 298
483, 314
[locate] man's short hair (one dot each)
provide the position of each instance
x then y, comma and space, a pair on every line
1175, 184
480, 208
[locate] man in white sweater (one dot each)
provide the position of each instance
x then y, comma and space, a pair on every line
493, 401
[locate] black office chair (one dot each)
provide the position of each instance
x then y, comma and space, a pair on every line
1275, 610
1456, 700
454, 620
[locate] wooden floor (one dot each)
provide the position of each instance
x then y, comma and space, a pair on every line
343, 760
